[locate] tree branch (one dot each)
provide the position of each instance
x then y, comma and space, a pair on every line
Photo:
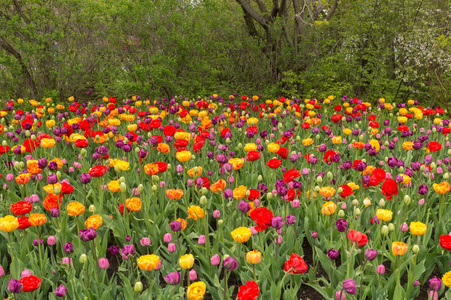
19, 10
275, 8
262, 7
255, 15
332, 10
9, 49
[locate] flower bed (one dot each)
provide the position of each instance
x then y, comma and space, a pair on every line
223, 199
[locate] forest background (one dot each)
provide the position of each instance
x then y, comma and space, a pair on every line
395, 49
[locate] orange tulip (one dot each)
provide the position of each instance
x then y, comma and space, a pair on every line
37, 219
23, 178
94, 221
174, 194
399, 248
218, 186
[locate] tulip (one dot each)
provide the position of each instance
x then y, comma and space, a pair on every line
333, 254
230, 264
370, 254
201, 240
104, 263
173, 278
171, 248
14, 286
167, 238
51, 240
215, 260
192, 275
186, 261
435, 284
61, 291
349, 286
145, 242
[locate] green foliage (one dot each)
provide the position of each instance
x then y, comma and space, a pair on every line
368, 48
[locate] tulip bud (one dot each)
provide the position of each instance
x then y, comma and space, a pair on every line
227, 141
319, 179
260, 178
384, 230
138, 287
56, 190
382, 202
27, 133
83, 152
415, 249
58, 175
92, 208
171, 248
340, 190
155, 178
203, 201
154, 188
83, 259
401, 169
123, 187
433, 166
192, 275
269, 196
355, 202
329, 175
407, 199
140, 188
367, 202
33, 137
357, 211
137, 150
391, 227
248, 193
116, 169
316, 189
220, 222
204, 190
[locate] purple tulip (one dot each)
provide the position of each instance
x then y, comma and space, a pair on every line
173, 278
230, 264
342, 225
333, 254
349, 286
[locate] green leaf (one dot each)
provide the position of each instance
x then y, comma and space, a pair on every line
399, 292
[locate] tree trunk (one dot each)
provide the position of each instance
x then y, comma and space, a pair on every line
28, 78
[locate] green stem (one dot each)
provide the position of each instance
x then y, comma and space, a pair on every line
361, 279
226, 288
11, 247
97, 261
207, 238
255, 277
350, 261
150, 284
39, 247
331, 230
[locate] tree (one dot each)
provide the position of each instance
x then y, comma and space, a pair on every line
287, 21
